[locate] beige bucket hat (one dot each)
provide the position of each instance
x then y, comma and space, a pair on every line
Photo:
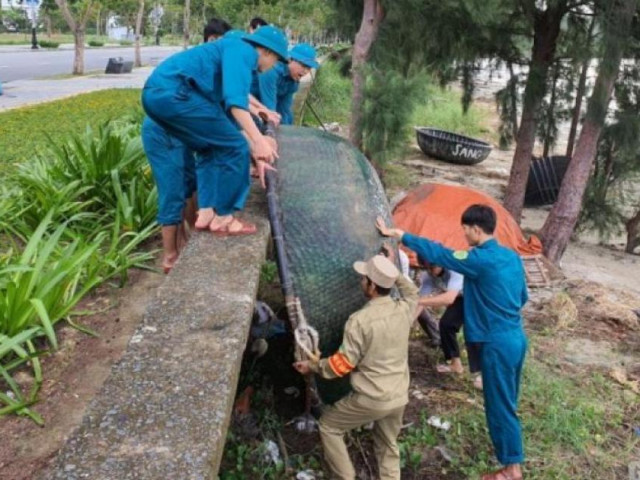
379, 269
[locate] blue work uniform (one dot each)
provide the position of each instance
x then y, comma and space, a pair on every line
495, 291
189, 95
173, 167
277, 89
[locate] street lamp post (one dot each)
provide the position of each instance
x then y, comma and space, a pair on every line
33, 16
156, 17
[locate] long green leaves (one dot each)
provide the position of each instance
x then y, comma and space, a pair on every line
72, 219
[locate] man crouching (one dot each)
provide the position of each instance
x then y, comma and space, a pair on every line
375, 351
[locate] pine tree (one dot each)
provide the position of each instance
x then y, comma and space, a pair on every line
612, 200
559, 226
546, 18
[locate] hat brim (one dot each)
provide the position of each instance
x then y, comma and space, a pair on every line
306, 62
360, 267
255, 40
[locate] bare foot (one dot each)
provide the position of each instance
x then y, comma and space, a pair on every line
510, 472
443, 368
205, 217
168, 261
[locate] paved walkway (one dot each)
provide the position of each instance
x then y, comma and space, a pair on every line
29, 92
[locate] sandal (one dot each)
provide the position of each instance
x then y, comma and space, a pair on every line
246, 228
500, 475
443, 368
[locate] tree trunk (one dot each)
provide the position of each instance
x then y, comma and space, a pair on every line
580, 92
513, 86
77, 27
372, 15
185, 21
633, 233
138, 57
562, 220
98, 18
552, 107
546, 31
78, 59
47, 21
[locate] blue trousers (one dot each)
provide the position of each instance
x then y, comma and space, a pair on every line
173, 168
502, 363
222, 160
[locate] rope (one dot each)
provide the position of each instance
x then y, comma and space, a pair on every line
306, 337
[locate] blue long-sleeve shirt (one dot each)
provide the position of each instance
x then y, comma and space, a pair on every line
276, 89
221, 71
495, 288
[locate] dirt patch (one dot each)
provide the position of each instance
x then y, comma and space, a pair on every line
74, 374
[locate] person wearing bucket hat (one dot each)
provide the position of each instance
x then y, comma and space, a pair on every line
374, 350
194, 95
173, 168
279, 85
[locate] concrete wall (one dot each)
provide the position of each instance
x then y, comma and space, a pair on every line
164, 411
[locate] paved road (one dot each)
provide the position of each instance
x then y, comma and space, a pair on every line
23, 63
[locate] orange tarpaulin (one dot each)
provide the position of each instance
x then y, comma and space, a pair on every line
434, 211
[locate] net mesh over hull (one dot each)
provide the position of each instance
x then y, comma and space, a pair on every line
328, 197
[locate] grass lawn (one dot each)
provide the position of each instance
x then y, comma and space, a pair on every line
58, 120
24, 38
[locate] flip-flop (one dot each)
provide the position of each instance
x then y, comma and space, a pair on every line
500, 475
224, 230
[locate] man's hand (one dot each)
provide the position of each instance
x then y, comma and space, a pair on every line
263, 150
302, 367
272, 141
386, 231
262, 168
269, 116
274, 117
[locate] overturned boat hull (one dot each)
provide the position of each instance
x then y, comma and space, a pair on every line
326, 197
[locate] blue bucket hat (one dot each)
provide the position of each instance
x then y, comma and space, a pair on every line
235, 33
272, 38
305, 54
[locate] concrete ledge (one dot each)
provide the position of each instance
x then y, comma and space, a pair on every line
164, 411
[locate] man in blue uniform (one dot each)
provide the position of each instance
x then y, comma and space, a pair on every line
215, 29
495, 291
279, 85
192, 95
173, 168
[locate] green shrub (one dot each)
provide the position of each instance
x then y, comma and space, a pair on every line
95, 43
38, 288
76, 215
126, 43
48, 44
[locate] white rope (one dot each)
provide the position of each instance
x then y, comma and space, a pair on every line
307, 338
